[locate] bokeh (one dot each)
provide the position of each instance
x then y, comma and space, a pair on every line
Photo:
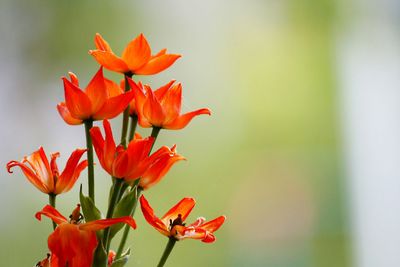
301, 150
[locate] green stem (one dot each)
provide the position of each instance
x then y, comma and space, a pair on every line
125, 118
134, 120
167, 251
154, 133
89, 146
127, 228
52, 202
111, 206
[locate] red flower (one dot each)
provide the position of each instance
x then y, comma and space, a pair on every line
162, 107
45, 262
74, 242
161, 161
172, 223
97, 102
45, 176
118, 161
136, 58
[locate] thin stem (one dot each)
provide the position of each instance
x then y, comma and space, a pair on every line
154, 133
89, 146
134, 120
111, 206
167, 251
127, 228
52, 202
125, 118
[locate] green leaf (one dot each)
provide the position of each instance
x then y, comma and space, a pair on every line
90, 211
100, 256
124, 208
120, 262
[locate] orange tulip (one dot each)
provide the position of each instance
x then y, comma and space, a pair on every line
45, 176
172, 223
118, 161
73, 243
136, 58
45, 262
161, 161
97, 102
162, 107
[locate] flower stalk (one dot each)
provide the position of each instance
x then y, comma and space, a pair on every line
89, 146
52, 202
125, 118
167, 251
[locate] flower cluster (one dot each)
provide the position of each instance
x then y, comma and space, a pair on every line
84, 238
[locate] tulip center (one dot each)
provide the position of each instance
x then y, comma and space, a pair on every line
76, 217
177, 221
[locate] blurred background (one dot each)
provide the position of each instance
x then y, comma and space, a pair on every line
302, 150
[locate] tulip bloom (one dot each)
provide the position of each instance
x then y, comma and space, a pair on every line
136, 58
172, 223
45, 176
161, 161
45, 262
118, 161
162, 107
73, 243
97, 102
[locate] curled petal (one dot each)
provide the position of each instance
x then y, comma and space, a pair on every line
151, 218
215, 224
104, 223
52, 213
109, 61
32, 177
66, 115
183, 120
157, 64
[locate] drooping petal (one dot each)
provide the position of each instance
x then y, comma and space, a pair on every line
109, 61
137, 53
97, 91
77, 102
114, 106
52, 213
101, 44
104, 223
184, 207
69, 176
32, 177
183, 120
41, 167
157, 64
66, 115
151, 218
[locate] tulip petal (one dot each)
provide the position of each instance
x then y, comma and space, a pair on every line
153, 110
101, 44
152, 219
114, 106
97, 91
109, 61
109, 145
137, 53
215, 224
66, 115
157, 64
98, 144
159, 93
183, 120
104, 223
140, 100
71, 172
77, 102
52, 213
184, 207
32, 177
113, 88
171, 103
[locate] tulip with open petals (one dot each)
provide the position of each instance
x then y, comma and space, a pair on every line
162, 107
118, 161
45, 176
136, 58
73, 243
97, 102
172, 223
